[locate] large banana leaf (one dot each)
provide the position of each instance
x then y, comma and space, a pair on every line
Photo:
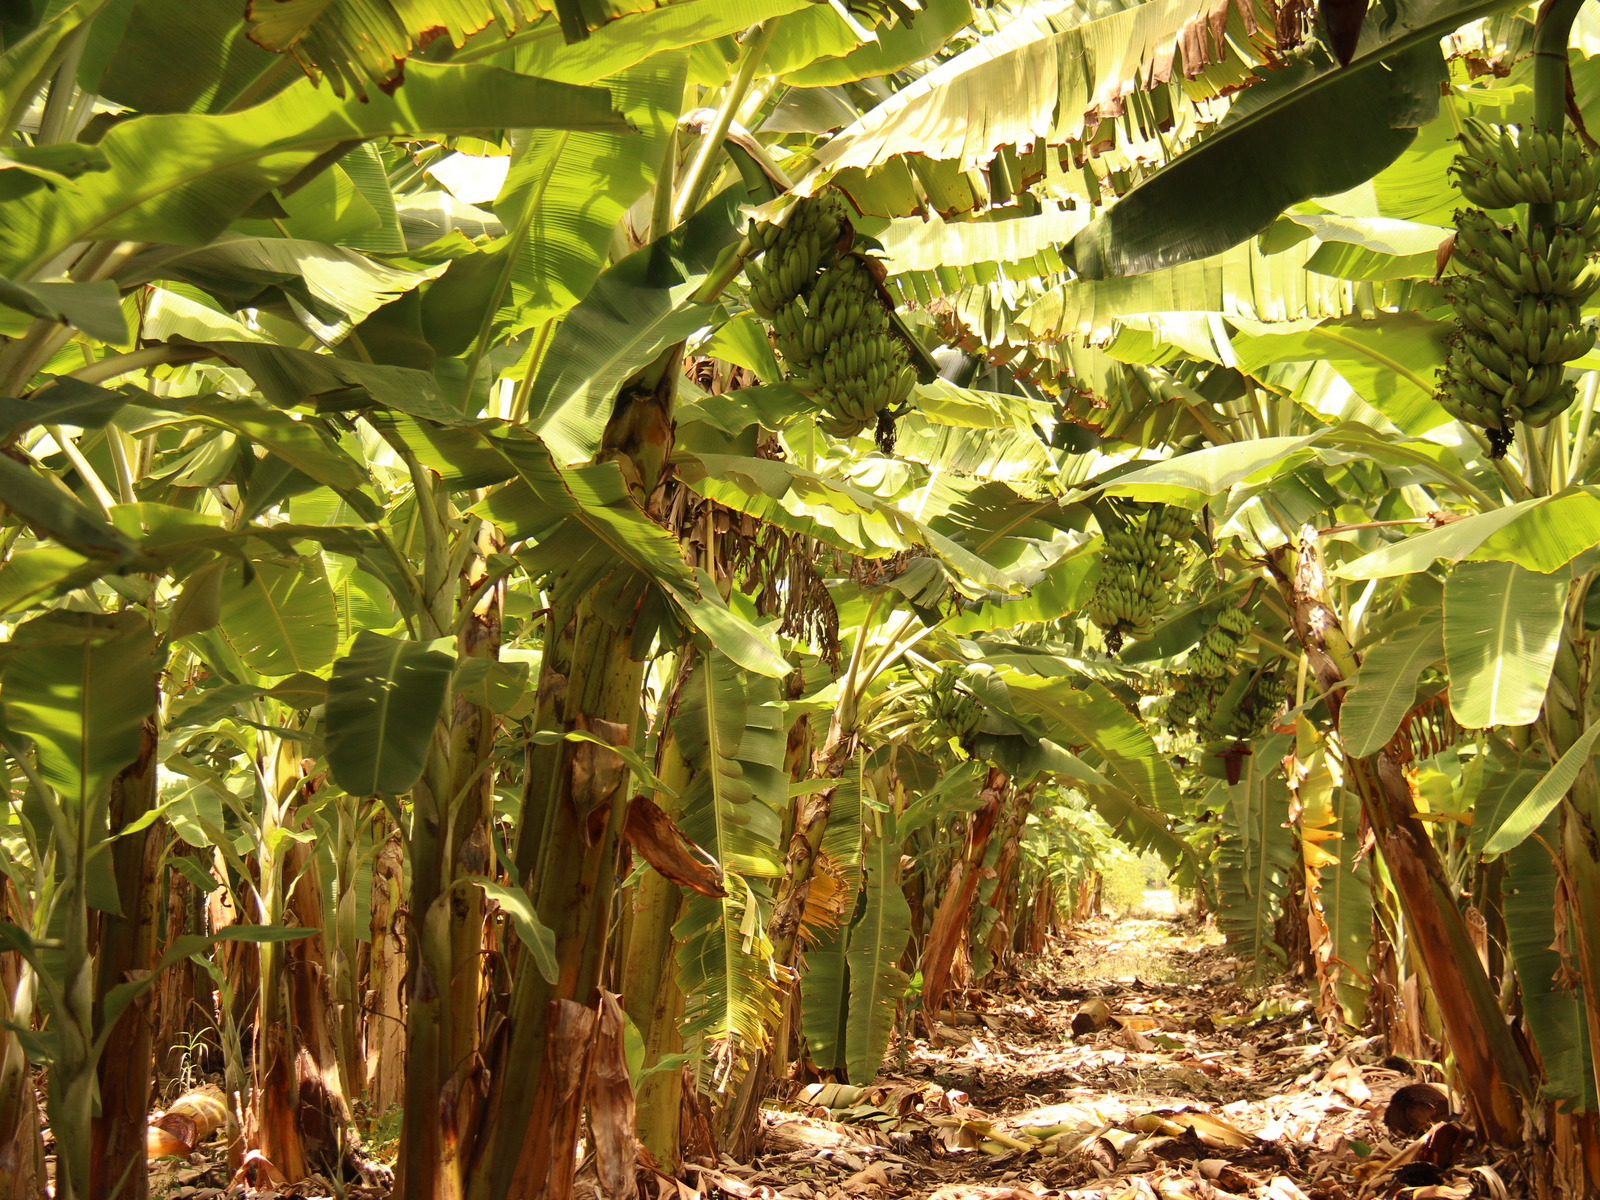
1502, 628
614, 47
587, 532
877, 941
724, 966
1555, 1013
1238, 282
851, 518
126, 58
1307, 130
54, 512
1513, 828
950, 255
910, 40
332, 282
1338, 885
1256, 854
1190, 480
79, 686
356, 42
384, 699
730, 730
635, 310
1542, 534
279, 617
1387, 687
562, 198
825, 999
149, 193
1040, 79
26, 66
1090, 716
820, 31
1391, 361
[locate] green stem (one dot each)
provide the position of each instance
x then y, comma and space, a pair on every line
1538, 469
1575, 456
120, 464
698, 179
91, 479
1550, 83
666, 181
58, 106
519, 404
140, 360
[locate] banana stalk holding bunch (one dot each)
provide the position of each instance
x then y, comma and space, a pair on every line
1138, 566
832, 328
1518, 306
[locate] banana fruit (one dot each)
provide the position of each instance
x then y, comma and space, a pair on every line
1519, 298
1211, 662
1139, 564
953, 711
831, 328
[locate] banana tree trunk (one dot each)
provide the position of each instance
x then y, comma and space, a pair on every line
654, 1003
127, 944
174, 1003
573, 803
384, 1034
323, 1115
955, 906
1005, 896
21, 1147
1496, 1079
651, 996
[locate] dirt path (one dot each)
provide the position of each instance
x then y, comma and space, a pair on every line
1182, 1083
1193, 1087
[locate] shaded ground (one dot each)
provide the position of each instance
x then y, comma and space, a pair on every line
1182, 1084
1197, 1087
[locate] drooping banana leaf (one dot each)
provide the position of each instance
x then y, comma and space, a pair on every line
354, 43
149, 194
1257, 853
1555, 1012
1337, 885
1043, 79
1307, 130
825, 999
562, 198
279, 617
730, 733
1502, 628
877, 940
384, 699
1387, 687
79, 686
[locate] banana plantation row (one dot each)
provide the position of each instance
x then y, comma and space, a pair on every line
566, 567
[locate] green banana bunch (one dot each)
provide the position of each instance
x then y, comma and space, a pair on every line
1193, 699
1519, 300
1211, 670
844, 355
1261, 704
1501, 166
832, 329
952, 710
792, 252
1138, 565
